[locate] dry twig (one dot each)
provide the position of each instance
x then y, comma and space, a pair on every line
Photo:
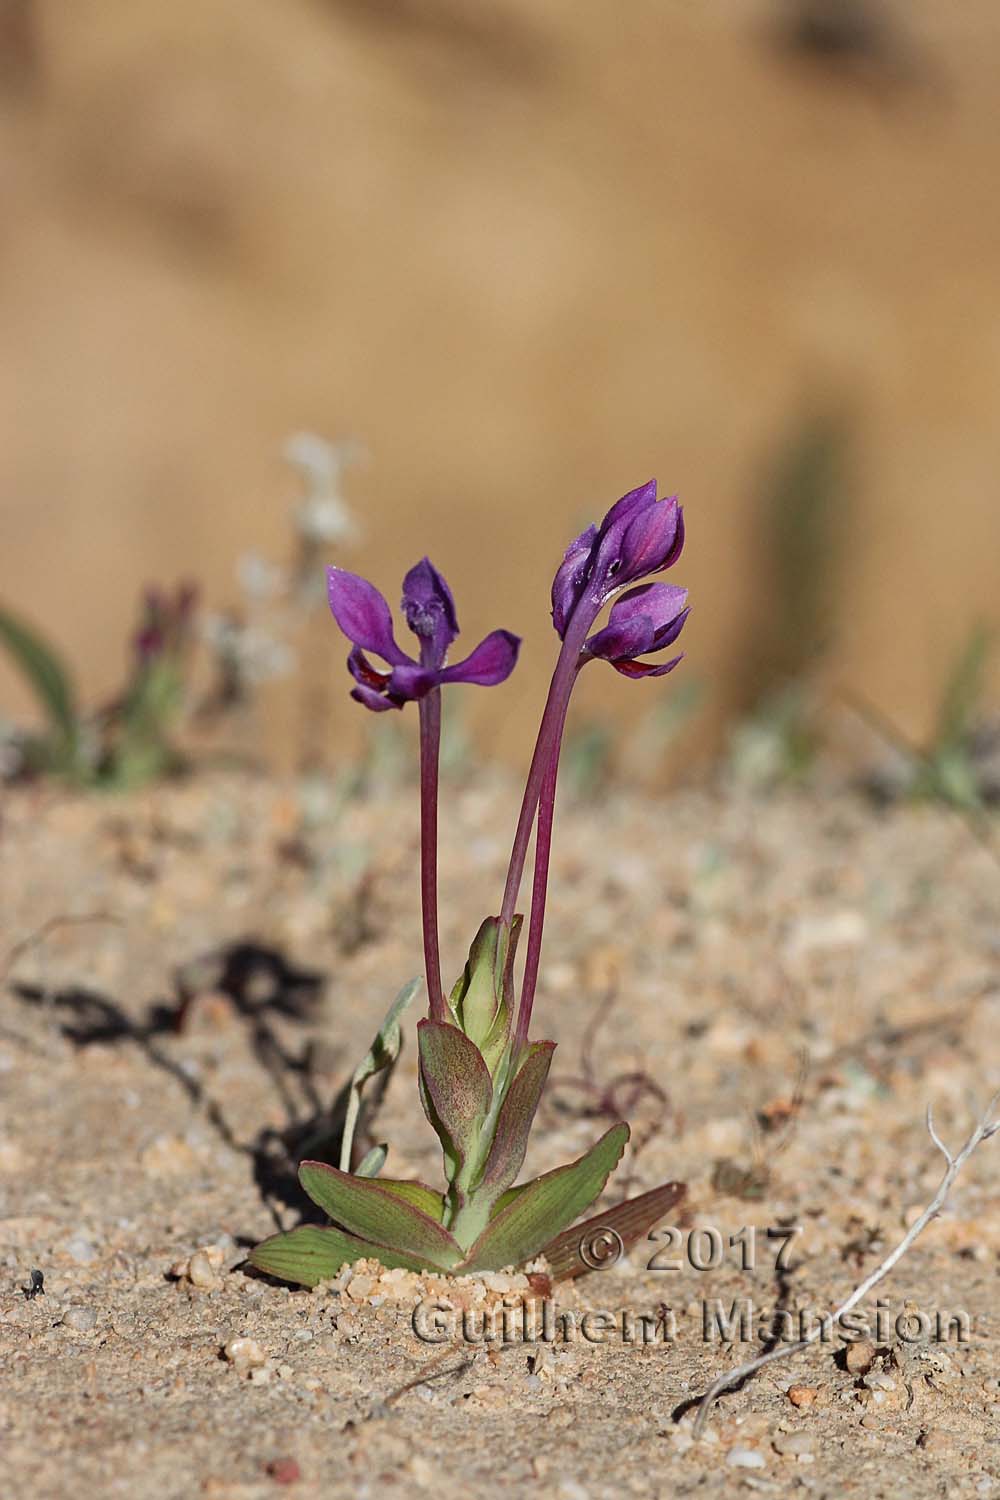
987, 1127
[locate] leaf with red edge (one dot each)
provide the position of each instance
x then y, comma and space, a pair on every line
312, 1254
510, 1139
365, 1207
506, 1152
544, 1207
457, 1091
609, 1235
428, 1200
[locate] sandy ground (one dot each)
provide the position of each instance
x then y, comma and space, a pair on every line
797, 977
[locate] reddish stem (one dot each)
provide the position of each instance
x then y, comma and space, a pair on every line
539, 885
430, 750
546, 749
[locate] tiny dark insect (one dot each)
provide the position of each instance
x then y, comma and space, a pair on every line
35, 1286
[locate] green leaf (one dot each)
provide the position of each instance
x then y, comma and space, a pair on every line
627, 1222
457, 1093
426, 1199
382, 1054
544, 1207
312, 1254
510, 1140
368, 1208
49, 678
505, 1156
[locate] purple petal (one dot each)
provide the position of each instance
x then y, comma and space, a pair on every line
629, 506
649, 541
678, 546
631, 516
411, 683
430, 611
663, 603
647, 668
491, 662
621, 639
568, 582
362, 614
364, 673
669, 633
377, 702
642, 620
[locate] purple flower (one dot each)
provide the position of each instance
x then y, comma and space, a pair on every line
640, 535
165, 622
643, 620
429, 609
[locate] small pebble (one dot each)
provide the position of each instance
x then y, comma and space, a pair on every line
201, 1272
935, 1440
560, 1417
81, 1250
745, 1458
168, 1156
802, 1395
792, 1443
80, 1319
859, 1357
284, 1471
421, 1471
571, 1489
245, 1355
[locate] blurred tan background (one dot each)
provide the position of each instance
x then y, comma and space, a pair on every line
528, 254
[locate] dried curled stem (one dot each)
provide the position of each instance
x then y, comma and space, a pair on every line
988, 1126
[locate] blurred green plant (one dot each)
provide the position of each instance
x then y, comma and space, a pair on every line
778, 743
801, 530
951, 768
133, 739
126, 742
960, 762
57, 748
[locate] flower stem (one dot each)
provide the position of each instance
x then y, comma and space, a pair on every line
546, 749
430, 753
539, 886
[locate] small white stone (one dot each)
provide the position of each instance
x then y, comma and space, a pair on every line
793, 1443
421, 1471
745, 1458
828, 930
201, 1272
80, 1319
81, 1250
245, 1355
571, 1490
